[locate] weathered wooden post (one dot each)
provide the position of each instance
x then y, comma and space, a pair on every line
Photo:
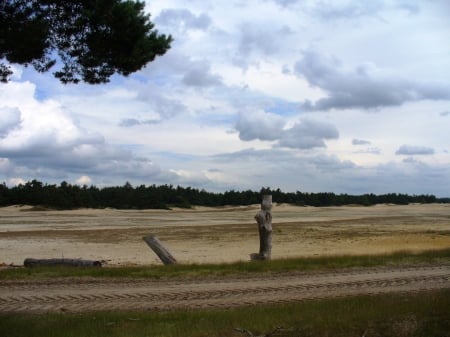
162, 252
264, 221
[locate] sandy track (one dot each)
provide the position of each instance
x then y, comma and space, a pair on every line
81, 295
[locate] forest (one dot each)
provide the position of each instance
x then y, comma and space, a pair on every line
68, 196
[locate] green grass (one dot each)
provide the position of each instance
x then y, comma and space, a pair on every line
424, 314
190, 271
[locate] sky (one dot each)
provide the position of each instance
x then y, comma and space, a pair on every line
339, 96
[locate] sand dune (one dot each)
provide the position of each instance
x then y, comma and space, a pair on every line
210, 235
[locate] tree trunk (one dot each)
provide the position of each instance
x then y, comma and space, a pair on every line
162, 252
264, 220
29, 262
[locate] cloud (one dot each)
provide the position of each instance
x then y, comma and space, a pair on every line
360, 142
191, 178
409, 6
331, 162
5, 165
41, 138
331, 10
16, 182
410, 160
84, 180
176, 68
259, 125
309, 172
130, 122
133, 168
183, 19
290, 170
163, 105
328, 10
199, 75
414, 150
44, 126
10, 119
370, 150
286, 3
164, 123
249, 155
306, 134
260, 40
360, 88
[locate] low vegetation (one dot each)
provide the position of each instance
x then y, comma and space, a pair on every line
424, 314
191, 271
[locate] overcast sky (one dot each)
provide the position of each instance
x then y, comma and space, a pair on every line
316, 96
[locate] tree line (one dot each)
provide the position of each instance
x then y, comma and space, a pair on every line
68, 196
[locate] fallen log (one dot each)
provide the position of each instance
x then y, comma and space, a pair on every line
162, 252
30, 262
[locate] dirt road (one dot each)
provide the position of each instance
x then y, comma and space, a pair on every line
82, 295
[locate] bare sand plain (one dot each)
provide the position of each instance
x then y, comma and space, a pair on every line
219, 235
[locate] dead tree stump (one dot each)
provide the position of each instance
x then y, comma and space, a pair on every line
162, 252
264, 221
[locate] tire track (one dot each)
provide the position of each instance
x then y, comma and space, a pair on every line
112, 294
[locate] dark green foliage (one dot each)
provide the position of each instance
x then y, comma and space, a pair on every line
67, 196
93, 39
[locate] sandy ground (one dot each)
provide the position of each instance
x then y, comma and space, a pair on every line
88, 294
210, 235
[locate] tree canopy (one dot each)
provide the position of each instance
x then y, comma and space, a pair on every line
92, 39
67, 196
